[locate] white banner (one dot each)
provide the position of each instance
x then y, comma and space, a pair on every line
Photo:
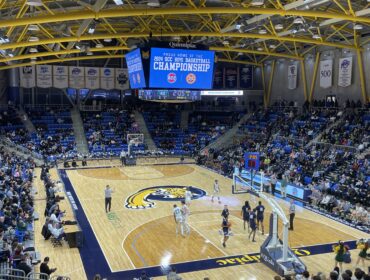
76, 77
60, 76
121, 79
44, 76
326, 73
107, 78
292, 76
27, 76
92, 77
345, 72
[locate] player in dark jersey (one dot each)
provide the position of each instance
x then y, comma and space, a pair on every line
252, 224
245, 214
225, 225
260, 210
225, 212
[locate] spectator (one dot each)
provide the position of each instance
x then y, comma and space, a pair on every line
44, 267
172, 275
24, 266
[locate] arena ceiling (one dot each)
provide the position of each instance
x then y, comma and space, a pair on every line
250, 31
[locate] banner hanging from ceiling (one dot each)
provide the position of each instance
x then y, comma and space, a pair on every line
60, 76
218, 80
292, 76
27, 76
92, 77
231, 77
107, 78
326, 73
76, 77
44, 76
121, 79
246, 76
345, 72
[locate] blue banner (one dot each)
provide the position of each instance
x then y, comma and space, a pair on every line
135, 69
246, 76
231, 77
179, 68
252, 161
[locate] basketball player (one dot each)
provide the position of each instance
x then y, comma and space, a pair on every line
188, 196
252, 224
225, 212
185, 215
216, 191
178, 219
245, 214
260, 209
225, 225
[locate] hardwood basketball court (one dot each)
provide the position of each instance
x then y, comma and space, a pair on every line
139, 232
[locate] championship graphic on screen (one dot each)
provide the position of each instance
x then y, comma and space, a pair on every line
179, 68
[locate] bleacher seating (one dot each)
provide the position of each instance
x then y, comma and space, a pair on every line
106, 131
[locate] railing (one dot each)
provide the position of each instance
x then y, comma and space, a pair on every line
342, 147
44, 106
16, 274
7, 142
211, 108
95, 108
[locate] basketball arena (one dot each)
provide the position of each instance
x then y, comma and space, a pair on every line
185, 139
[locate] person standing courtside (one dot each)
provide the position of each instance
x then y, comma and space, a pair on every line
291, 214
108, 198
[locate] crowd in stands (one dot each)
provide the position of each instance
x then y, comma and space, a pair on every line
338, 178
16, 212
336, 274
106, 131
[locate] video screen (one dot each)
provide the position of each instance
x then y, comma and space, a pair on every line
180, 68
135, 69
163, 94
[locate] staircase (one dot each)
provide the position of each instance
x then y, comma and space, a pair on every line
318, 137
226, 140
148, 140
79, 132
184, 119
26, 120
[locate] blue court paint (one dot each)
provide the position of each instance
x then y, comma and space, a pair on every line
94, 261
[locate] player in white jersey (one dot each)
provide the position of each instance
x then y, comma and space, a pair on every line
216, 191
179, 220
188, 196
185, 215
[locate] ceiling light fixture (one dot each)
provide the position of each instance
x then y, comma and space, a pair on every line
33, 27
262, 31
259, 49
99, 46
257, 2
298, 20
118, 2
33, 39
35, 3
153, 3
107, 40
279, 26
33, 50
316, 36
272, 46
357, 26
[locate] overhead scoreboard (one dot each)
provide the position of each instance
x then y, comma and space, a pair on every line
181, 69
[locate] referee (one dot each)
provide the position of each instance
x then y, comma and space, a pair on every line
108, 198
291, 214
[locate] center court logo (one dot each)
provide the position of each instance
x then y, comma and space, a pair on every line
143, 199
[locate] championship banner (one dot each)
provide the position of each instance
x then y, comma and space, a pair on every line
27, 76
121, 79
231, 77
326, 73
44, 76
218, 81
345, 72
60, 76
107, 78
246, 76
292, 76
92, 78
76, 77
